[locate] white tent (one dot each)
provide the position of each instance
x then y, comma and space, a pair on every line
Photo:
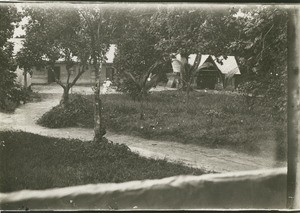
229, 65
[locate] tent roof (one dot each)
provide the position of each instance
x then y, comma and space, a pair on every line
229, 65
206, 65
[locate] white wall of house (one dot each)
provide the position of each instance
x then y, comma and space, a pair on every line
40, 76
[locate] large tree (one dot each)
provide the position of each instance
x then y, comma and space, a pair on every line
98, 29
52, 34
255, 35
262, 49
137, 62
9, 90
77, 35
189, 30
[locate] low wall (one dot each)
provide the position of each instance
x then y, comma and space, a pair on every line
252, 189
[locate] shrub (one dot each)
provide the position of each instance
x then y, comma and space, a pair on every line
30, 161
14, 97
212, 114
79, 112
130, 88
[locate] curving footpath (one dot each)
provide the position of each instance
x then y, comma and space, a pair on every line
218, 160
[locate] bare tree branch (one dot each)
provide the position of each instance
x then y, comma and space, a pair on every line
59, 81
131, 76
80, 72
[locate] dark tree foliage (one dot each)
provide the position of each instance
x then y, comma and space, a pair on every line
255, 35
189, 30
261, 44
97, 28
52, 34
10, 92
139, 64
76, 35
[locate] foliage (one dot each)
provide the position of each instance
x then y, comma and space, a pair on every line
10, 93
261, 43
177, 29
255, 35
76, 113
17, 95
98, 29
212, 114
232, 124
30, 161
138, 63
189, 30
129, 86
77, 36
52, 34
21, 96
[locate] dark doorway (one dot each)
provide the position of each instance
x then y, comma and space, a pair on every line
110, 72
207, 79
51, 76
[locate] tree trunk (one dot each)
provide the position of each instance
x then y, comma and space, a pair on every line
99, 129
25, 79
97, 116
181, 84
142, 108
65, 97
190, 75
188, 95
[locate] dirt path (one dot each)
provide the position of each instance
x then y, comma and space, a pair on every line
219, 160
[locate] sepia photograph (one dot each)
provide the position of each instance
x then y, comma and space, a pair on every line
149, 106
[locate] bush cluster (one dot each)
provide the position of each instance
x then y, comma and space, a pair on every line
130, 88
30, 161
13, 98
79, 112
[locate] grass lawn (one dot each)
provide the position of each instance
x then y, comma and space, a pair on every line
213, 120
29, 161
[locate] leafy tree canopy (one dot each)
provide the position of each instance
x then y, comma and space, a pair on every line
261, 44
137, 59
9, 90
255, 35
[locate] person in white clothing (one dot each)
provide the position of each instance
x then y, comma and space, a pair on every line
106, 85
